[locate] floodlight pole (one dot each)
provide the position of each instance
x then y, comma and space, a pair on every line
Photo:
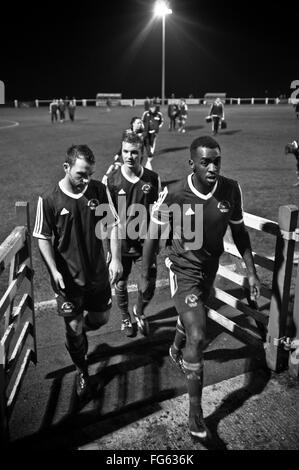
163, 61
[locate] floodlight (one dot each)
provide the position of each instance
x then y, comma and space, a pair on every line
161, 9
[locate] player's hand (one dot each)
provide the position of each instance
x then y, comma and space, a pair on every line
58, 281
255, 287
115, 270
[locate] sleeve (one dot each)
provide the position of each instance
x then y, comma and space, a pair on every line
161, 120
113, 212
160, 212
44, 219
237, 214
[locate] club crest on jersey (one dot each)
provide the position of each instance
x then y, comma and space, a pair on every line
146, 188
191, 300
67, 307
93, 204
223, 206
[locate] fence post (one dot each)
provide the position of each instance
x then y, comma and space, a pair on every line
276, 356
23, 219
294, 353
239, 100
266, 100
83, 102
4, 433
252, 100
15, 103
36, 103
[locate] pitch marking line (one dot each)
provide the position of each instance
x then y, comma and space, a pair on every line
13, 124
131, 288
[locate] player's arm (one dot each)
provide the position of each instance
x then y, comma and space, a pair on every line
223, 116
242, 242
158, 225
161, 120
115, 265
43, 230
47, 252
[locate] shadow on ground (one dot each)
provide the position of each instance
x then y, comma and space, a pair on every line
130, 379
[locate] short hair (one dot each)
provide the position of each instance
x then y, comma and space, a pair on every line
134, 119
204, 141
79, 151
132, 138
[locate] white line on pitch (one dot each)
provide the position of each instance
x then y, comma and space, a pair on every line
131, 288
14, 124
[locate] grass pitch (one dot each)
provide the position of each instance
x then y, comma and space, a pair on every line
32, 154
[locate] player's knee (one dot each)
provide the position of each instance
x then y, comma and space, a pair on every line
94, 320
121, 285
196, 337
74, 327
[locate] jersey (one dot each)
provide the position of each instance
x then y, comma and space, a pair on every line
183, 111
125, 192
152, 121
217, 110
188, 213
69, 221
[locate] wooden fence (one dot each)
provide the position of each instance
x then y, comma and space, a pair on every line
273, 331
18, 338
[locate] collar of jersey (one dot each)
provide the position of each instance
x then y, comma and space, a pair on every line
132, 180
197, 193
74, 196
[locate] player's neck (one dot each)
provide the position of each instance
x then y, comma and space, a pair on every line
132, 171
200, 186
66, 184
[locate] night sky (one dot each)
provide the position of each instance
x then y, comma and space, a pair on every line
54, 49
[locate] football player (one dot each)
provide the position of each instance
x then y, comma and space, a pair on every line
132, 188
208, 202
293, 148
65, 226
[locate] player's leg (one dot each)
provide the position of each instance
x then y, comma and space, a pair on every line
175, 350
189, 299
77, 346
122, 298
297, 171
144, 296
97, 302
194, 321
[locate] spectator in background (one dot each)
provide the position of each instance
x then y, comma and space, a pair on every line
153, 121
182, 115
157, 102
293, 148
61, 108
216, 114
72, 108
147, 103
172, 111
53, 110
108, 104
297, 110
